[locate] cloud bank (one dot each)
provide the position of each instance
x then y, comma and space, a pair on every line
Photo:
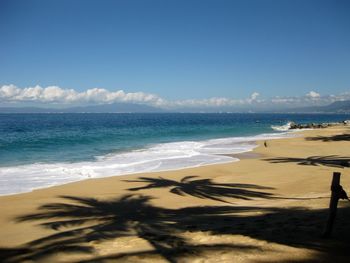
55, 94
59, 96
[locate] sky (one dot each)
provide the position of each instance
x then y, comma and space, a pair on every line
174, 53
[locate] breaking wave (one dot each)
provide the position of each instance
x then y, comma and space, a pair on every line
284, 127
159, 157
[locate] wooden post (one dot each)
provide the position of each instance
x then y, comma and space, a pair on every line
333, 204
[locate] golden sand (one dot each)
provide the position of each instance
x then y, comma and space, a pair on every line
269, 207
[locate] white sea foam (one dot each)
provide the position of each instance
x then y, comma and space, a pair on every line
159, 157
284, 127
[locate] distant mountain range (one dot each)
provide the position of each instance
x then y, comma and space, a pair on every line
335, 107
104, 108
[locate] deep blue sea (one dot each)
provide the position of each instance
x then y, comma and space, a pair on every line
40, 150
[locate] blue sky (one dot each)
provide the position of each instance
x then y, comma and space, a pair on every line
177, 50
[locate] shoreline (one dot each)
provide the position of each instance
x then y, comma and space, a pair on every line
246, 155
268, 207
235, 157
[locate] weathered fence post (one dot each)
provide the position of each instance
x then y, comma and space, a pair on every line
335, 187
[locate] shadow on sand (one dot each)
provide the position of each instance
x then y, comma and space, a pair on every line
207, 189
335, 138
203, 188
78, 221
330, 160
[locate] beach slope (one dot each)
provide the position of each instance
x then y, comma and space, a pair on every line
271, 206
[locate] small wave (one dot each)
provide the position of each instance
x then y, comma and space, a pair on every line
284, 127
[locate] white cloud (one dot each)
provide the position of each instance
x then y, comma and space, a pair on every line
9, 91
54, 94
254, 96
312, 98
59, 96
313, 95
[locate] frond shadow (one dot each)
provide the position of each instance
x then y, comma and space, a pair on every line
330, 160
78, 221
335, 138
203, 188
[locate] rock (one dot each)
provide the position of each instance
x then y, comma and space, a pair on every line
294, 125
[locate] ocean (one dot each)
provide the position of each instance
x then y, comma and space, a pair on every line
42, 150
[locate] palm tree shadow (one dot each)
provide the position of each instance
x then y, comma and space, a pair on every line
330, 160
335, 138
78, 221
203, 188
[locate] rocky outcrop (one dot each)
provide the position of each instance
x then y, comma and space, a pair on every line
294, 125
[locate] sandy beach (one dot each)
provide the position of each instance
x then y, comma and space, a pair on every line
271, 206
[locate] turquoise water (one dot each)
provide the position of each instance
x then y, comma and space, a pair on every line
38, 150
